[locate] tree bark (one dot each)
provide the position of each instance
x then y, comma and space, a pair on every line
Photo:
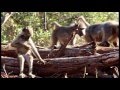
69, 65
45, 21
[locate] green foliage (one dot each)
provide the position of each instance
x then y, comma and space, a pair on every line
36, 19
42, 38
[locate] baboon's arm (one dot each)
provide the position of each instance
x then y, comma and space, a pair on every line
19, 43
34, 50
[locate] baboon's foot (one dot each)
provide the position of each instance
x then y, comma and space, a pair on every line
53, 47
104, 44
115, 44
32, 75
22, 75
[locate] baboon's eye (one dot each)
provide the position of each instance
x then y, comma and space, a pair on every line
77, 29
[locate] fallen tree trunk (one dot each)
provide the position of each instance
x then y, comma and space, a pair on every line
70, 65
85, 50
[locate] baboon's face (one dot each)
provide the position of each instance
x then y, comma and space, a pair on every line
28, 32
79, 31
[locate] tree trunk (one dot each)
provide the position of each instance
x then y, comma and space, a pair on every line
6, 17
45, 22
84, 50
69, 65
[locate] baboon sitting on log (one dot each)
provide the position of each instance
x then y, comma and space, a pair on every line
26, 49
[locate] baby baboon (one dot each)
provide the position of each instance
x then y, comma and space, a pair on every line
25, 48
106, 33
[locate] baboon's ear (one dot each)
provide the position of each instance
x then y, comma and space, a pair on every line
24, 29
76, 23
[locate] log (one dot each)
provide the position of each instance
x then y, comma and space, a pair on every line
70, 65
102, 50
70, 52
84, 50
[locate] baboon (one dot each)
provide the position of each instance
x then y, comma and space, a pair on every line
63, 33
106, 33
26, 49
56, 25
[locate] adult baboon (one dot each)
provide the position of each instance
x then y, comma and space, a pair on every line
63, 33
56, 25
106, 33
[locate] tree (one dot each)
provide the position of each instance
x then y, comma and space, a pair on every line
5, 17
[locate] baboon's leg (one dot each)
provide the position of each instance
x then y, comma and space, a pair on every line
29, 59
66, 75
105, 44
5, 70
115, 43
73, 41
21, 60
84, 72
88, 38
105, 37
96, 72
54, 40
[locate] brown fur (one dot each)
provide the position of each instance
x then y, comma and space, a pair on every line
63, 33
25, 48
106, 33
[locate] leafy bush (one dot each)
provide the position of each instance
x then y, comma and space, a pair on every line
36, 19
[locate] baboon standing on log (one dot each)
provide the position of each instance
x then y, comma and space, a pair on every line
56, 25
106, 33
63, 33
25, 48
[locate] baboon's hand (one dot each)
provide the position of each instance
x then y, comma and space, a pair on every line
42, 61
